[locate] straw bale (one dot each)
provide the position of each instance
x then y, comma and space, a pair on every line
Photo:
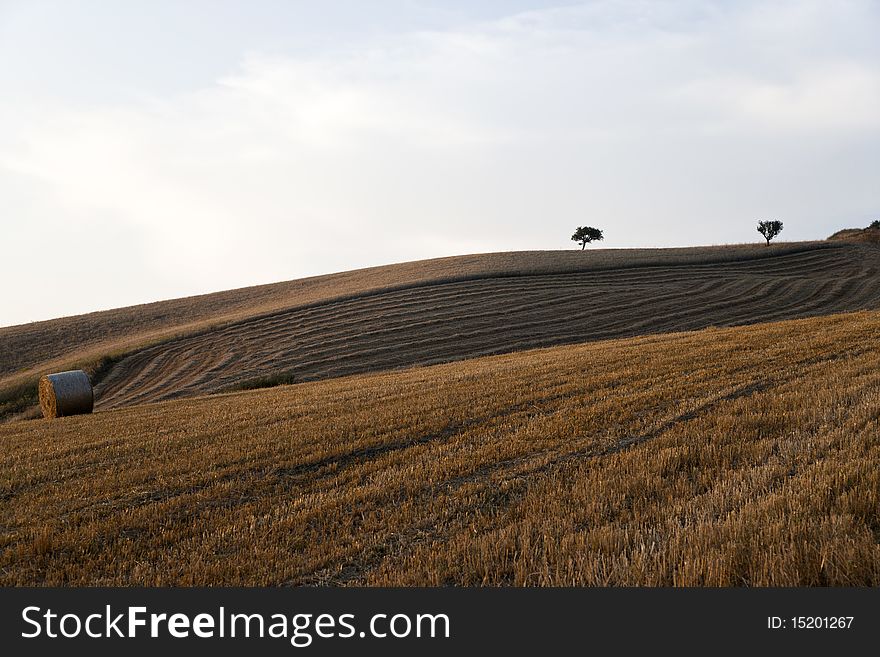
66, 393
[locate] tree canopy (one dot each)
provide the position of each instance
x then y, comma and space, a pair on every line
586, 234
769, 229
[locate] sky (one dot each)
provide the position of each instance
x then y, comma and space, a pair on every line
152, 150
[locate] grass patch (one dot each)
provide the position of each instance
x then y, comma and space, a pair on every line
17, 400
270, 381
23, 399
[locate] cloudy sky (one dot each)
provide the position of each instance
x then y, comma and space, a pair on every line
158, 149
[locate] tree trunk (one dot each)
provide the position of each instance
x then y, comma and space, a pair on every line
583, 245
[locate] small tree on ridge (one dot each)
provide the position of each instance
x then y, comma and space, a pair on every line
586, 234
769, 229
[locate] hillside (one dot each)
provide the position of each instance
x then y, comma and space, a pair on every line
437, 311
738, 456
97, 340
451, 321
50, 342
863, 235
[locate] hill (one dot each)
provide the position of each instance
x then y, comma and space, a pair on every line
53, 341
737, 456
431, 312
863, 235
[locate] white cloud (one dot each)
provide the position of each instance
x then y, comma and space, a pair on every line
643, 117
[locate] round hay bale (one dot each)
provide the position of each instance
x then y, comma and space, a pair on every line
66, 393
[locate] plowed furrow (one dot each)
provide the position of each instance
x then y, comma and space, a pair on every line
465, 319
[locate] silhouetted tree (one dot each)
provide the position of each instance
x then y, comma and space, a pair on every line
875, 224
586, 234
769, 229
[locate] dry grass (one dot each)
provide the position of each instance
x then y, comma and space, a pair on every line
742, 456
864, 235
84, 342
447, 321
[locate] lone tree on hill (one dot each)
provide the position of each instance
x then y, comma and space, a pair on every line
586, 234
875, 224
769, 229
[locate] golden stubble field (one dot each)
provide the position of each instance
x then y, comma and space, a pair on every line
739, 456
430, 312
57, 342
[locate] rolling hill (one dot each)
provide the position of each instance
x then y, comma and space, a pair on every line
430, 312
864, 235
655, 417
736, 456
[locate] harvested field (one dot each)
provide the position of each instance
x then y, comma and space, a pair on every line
53, 344
738, 456
448, 321
864, 235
